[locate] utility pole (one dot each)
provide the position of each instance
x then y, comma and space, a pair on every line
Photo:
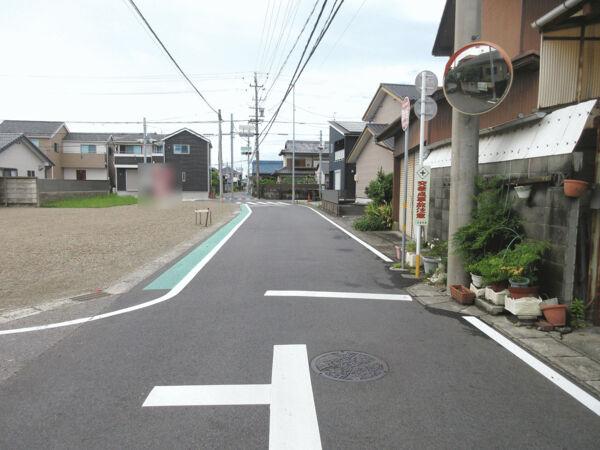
220, 157
231, 140
294, 144
256, 144
465, 145
321, 165
144, 141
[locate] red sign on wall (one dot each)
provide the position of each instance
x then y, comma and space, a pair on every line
421, 196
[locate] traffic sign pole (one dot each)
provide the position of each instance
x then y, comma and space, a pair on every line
421, 150
406, 128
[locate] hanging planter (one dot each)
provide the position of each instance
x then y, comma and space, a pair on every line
575, 188
523, 191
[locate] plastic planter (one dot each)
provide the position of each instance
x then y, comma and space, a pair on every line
575, 188
523, 191
430, 264
461, 294
555, 314
477, 280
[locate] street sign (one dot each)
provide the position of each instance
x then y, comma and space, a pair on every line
246, 131
477, 78
431, 82
421, 200
246, 150
427, 108
405, 114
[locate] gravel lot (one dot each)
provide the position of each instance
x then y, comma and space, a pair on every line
52, 253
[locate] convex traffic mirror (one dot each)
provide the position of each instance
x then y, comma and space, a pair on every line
477, 78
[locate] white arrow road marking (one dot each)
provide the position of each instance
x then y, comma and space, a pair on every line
348, 295
293, 418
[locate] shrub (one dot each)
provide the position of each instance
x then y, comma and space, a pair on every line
379, 190
375, 218
577, 309
493, 227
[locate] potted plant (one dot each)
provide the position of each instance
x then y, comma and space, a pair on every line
574, 188
522, 264
434, 253
555, 314
476, 278
523, 191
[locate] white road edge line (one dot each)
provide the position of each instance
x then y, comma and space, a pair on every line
327, 294
566, 385
169, 295
357, 239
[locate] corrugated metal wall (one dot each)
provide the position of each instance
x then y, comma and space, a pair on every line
562, 80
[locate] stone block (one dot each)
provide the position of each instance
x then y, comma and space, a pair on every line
579, 366
547, 346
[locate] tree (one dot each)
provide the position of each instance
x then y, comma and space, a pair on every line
379, 190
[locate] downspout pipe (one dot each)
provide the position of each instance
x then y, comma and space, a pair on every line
553, 14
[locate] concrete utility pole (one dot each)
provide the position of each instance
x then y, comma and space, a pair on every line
321, 164
220, 157
465, 145
231, 140
256, 144
294, 144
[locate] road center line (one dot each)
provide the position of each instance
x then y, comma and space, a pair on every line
356, 238
169, 295
566, 385
346, 295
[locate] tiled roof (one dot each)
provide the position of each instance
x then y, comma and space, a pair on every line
32, 128
375, 129
350, 127
402, 90
8, 138
305, 147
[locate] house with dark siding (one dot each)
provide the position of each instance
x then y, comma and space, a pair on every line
342, 137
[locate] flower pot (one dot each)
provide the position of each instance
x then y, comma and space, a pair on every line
523, 191
430, 264
497, 298
497, 287
477, 280
519, 282
555, 314
526, 306
461, 294
529, 291
575, 188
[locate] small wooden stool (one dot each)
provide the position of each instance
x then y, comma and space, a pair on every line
199, 213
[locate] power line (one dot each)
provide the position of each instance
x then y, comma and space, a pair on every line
137, 10
332, 14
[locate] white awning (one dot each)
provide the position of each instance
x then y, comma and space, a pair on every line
555, 134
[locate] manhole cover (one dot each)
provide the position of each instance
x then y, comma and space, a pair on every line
347, 365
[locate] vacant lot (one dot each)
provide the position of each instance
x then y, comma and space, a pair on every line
50, 253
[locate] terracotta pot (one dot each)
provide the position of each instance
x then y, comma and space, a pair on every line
555, 314
575, 188
498, 287
462, 295
518, 292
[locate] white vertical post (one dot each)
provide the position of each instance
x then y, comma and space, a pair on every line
421, 151
294, 144
220, 157
405, 190
231, 140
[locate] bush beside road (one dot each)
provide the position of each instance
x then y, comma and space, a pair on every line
53, 253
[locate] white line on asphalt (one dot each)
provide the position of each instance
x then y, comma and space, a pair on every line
272, 203
169, 295
327, 294
250, 203
293, 418
360, 241
293, 423
569, 387
262, 203
282, 203
233, 394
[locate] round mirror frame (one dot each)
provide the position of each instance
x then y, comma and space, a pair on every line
457, 53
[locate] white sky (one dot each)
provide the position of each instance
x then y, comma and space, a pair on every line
93, 60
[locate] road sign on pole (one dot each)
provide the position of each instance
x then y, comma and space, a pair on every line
428, 108
431, 82
405, 114
422, 184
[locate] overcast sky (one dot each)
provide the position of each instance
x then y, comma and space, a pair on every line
93, 60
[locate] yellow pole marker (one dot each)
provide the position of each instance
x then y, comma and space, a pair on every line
418, 265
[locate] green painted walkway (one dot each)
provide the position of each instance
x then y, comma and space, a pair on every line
173, 275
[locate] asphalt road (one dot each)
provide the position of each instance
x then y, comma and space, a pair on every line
448, 385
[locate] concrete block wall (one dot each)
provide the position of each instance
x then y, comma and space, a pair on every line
546, 215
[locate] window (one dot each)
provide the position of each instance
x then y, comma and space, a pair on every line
35, 141
8, 172
158, 149
56, 147
80, 174
181, 149
31, 173
131, 149
337, 185
183, 177
88, 148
